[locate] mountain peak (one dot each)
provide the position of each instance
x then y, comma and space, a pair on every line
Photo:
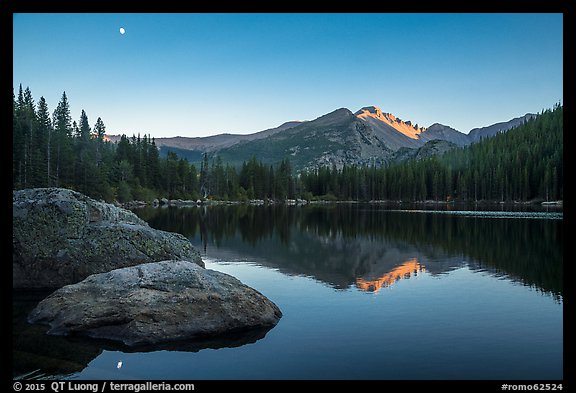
338, 114
443, 132
342, 111
476, 134
437, 126
370, 109
373, 113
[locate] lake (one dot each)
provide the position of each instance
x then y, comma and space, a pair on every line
367, 291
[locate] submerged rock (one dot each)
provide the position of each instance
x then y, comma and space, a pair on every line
61, 236
154, 303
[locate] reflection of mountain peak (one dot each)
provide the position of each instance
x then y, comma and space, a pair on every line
405, 270
338, 244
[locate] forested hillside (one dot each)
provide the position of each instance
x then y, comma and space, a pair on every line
523, 164
52, 149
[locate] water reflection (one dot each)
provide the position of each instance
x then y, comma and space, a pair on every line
370, 249
62, 356
367, 246
406, 270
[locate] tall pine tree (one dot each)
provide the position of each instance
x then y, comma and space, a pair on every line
62, 147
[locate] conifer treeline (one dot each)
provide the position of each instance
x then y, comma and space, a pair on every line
54, 150
523, 164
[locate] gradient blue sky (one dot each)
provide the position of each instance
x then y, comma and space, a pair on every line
203, 74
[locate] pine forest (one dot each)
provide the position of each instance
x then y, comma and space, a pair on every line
54, 150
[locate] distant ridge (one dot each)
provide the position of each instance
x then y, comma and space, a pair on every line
477, 133
368, 136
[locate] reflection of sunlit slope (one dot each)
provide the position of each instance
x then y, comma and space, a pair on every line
335, 244
403, 271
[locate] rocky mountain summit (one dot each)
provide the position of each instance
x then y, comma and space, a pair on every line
369, 136
396, 127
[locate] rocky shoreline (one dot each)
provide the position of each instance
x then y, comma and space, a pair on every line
302, 202
67, 241
153, 303
164, 202
60, 237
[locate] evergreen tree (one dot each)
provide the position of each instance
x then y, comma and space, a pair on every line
98, 135
154, 165
525, 163
99, 130
84, 128
44, 133
85, 160
23, 141
62, 145
204, 177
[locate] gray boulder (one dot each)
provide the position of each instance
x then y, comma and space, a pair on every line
155, 303
61, 236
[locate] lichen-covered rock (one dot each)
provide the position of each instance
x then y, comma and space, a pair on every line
154, 303
61, 236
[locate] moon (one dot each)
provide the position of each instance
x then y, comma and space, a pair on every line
122, 31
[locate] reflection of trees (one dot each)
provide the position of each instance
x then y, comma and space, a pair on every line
253, 223
528, 250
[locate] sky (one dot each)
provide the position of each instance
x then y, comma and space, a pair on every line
205, 74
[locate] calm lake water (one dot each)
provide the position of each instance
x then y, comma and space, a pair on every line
367, 292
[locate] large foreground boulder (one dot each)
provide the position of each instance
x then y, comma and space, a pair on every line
61, 237
154, 303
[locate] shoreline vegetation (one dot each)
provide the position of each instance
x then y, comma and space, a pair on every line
523, 164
